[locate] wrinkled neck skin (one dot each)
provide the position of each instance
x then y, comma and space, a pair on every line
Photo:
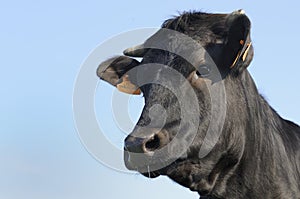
250, 159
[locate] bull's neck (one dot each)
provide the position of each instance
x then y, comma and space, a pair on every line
258, 127
262, 127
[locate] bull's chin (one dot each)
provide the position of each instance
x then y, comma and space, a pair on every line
148, 172
145, 171
163, 171
148, 168
151, 174
170, 170
179, 171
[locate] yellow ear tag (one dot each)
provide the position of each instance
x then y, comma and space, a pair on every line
242, 42
236, 59
246, 51
127, 87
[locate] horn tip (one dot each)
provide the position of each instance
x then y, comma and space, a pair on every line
241, 11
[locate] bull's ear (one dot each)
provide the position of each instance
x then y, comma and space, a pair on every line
116, 71
238, 48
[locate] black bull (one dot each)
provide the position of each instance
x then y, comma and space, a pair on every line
204, 124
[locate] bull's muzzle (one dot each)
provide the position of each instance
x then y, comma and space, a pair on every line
139, 150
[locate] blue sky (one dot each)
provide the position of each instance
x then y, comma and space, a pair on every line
44, 43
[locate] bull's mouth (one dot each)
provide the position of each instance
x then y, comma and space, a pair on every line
183, 171
179, 170
170, 170
152, 174
148, 166
142, 165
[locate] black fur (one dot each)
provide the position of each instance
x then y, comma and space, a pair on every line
258, 152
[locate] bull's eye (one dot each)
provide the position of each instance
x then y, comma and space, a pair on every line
203, 70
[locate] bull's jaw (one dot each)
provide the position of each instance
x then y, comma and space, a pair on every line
182, 173
151, 174
189, 174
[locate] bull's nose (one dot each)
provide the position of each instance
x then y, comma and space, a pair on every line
138, 152
153, 143
146, 145
134, 144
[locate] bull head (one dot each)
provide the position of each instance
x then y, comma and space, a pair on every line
225, 52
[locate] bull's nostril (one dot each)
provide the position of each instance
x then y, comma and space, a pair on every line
152, 144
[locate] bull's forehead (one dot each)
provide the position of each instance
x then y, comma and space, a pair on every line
204, 27
164, 63
184, 43
188, 36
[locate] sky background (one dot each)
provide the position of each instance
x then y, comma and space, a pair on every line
42, 46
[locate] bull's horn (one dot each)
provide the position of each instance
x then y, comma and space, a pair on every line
239, 12
136, 51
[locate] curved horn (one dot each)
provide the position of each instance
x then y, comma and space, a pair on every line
136, 51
